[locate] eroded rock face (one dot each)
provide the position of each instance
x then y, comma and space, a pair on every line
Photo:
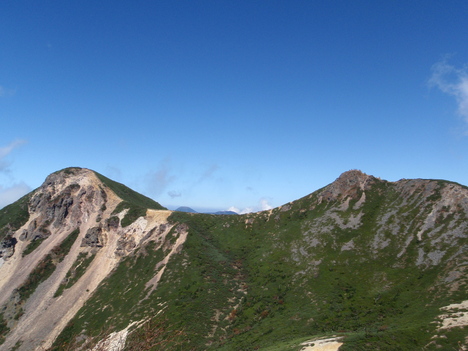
70, 201
348, 184
113, 223
93, 238
66, 198
7, 247
125, 245
36, 231
414, 223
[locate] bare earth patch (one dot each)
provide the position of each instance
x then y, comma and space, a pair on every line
457, 315
328, 344
44, 316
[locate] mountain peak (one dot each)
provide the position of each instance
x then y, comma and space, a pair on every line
82, 257
349, 183
353, 177
185, 209
61, 175
85, 176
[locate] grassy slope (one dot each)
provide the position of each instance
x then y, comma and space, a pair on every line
129, 195
13, 216
378, 302
135, 203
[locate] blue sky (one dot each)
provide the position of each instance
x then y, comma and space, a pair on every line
232, 104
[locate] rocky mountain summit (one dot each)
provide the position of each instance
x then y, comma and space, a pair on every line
87, 263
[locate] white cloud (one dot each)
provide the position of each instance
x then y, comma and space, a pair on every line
263, 205
13, 193
233, 209
248, 210
452, 81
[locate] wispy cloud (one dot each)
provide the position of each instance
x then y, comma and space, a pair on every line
207, 174
158, 181
173, 194
453, 81
114, 173
4, 92
209, 171
13, 193
7, 150
15, 190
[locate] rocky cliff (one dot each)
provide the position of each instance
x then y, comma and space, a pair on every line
86, 262
39, 259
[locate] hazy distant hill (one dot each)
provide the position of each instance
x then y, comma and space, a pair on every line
225, 213
186, 209
191, 210
85, 261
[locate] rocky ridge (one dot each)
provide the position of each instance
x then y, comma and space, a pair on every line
351, 256
68, 200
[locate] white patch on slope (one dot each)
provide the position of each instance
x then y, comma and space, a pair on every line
153, 283
455, 317
359, 203
115, 341
329, 344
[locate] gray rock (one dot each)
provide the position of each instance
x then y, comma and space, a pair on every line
93, 238
7, 247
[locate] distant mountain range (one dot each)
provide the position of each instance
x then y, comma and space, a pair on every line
185, 209
362, 264
191, 210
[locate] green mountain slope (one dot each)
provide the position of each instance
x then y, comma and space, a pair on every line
370, 261
13, 216
128, 195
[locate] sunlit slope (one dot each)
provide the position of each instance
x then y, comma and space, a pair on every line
370, 261
365, 258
